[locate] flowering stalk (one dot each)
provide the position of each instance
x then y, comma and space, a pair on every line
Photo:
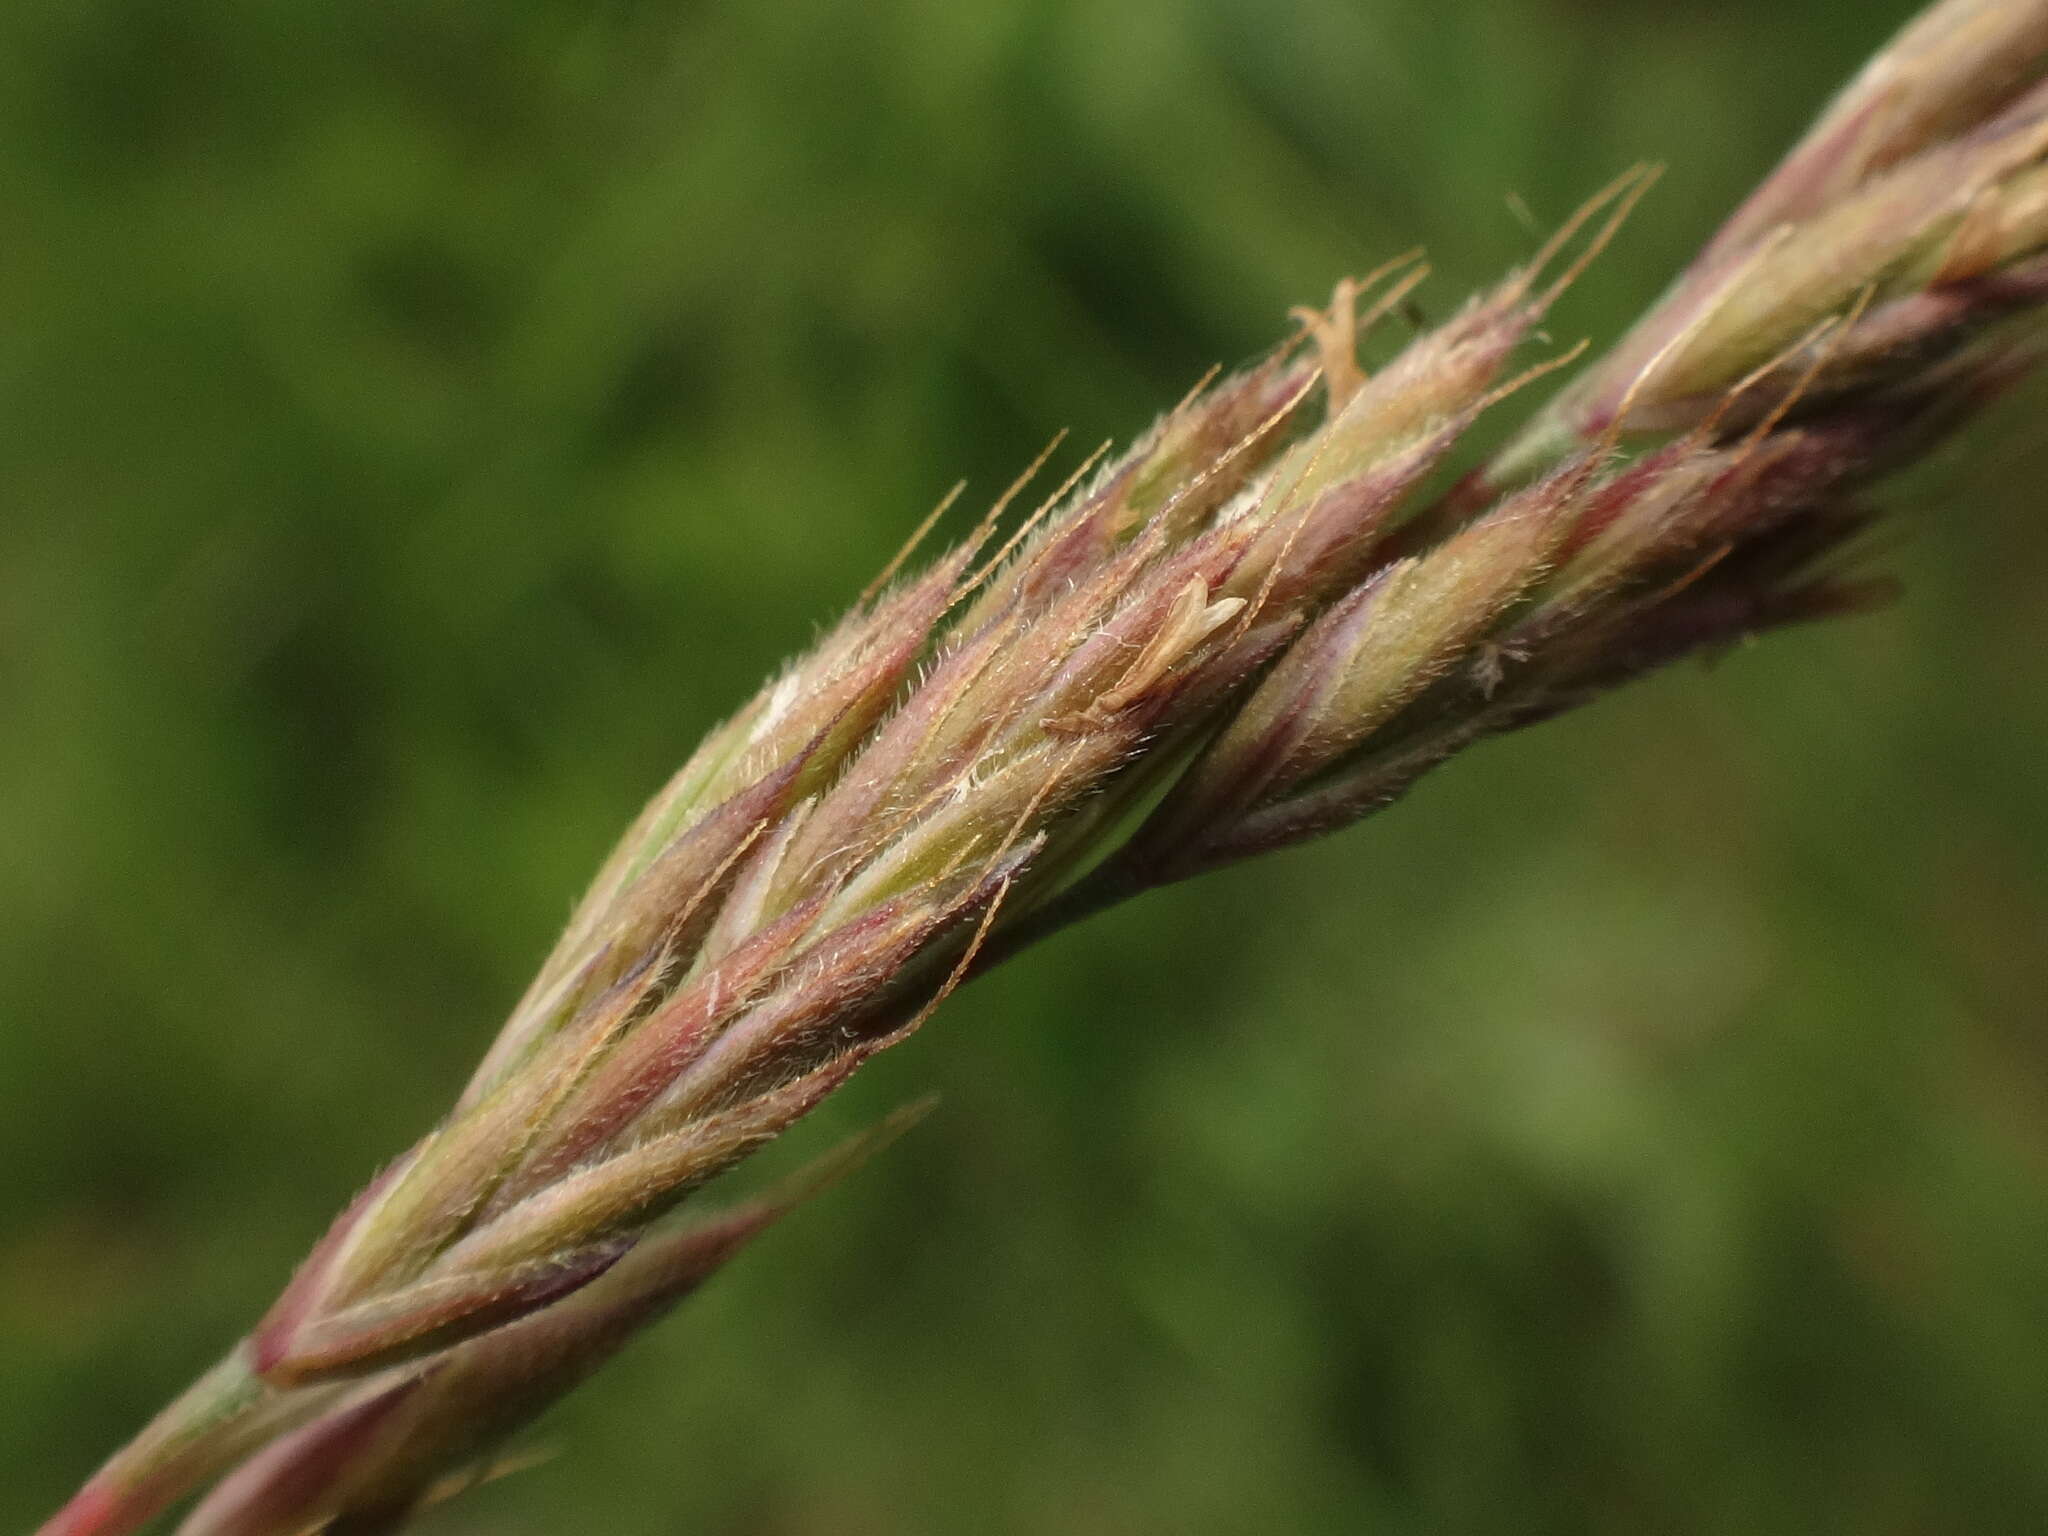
1253, 627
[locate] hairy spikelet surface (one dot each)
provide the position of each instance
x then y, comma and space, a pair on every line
1261, 622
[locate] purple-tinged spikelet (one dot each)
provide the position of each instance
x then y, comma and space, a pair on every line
1253, 627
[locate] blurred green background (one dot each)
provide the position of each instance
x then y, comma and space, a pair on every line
419, 422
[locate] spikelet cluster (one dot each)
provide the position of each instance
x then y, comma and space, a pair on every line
1261, 622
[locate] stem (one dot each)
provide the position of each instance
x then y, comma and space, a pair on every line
1100, 889
218, 1420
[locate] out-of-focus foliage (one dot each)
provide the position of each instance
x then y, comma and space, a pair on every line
418, 423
